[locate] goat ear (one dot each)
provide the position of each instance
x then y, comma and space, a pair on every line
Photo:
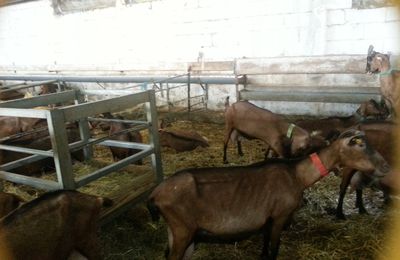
357, 140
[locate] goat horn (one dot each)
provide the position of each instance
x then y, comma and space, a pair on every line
370, 49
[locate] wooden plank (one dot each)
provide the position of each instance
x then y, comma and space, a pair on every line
321, 89
337, 80
208, 66
275, 95
354, 64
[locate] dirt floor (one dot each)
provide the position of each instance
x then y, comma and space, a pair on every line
314, 233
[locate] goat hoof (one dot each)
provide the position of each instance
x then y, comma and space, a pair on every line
340, 216
362, 211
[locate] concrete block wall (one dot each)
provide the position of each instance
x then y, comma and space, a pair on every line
151, 34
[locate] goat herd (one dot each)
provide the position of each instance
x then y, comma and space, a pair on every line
221, 203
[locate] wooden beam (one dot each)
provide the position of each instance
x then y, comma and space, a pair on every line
354, 64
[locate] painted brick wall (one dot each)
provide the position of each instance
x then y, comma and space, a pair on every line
33, 37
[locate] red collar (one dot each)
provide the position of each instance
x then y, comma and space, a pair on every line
318, 164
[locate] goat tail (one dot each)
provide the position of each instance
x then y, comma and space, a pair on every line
153, 209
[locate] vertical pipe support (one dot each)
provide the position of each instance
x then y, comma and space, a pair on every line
151, 115
59, 142
84, 128
188, 90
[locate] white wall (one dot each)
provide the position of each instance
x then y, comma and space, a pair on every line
32, 37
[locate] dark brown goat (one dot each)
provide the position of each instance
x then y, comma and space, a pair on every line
328, 127
181, 141
10, 95
13, 125
53, 227
227, 202
42, 141
245, 119
380, 136
48, 88
8, 203
118, 152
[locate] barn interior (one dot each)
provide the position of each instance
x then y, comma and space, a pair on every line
161, 68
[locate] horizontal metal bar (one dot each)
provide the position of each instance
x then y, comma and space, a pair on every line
20, 162
122, 144
13, 85
30, 181
119, 120
203, 95
42, 100
75, 112
113, 167
129, 79
18, 112
195, 104
108, 92
307, 97
22, 134
33, 158
26, 150
27, 86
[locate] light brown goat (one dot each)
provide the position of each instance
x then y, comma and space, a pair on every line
245, 119
229, 202
181, 141
53, 227
389, 77
380, 135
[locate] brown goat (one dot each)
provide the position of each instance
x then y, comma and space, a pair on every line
380, 137
53, 226
118, 152
229, 202
245, 119
42, 141
10, 95
181, 141
389, 77
328, 127
8, 203
13, 125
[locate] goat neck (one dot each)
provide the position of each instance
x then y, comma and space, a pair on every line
306, 171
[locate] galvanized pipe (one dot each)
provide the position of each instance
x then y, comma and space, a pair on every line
128, 79
23, 86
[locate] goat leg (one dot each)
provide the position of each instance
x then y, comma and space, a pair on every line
346, 177
359, 202
277, 226
267, 237
239, 147
226, 141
